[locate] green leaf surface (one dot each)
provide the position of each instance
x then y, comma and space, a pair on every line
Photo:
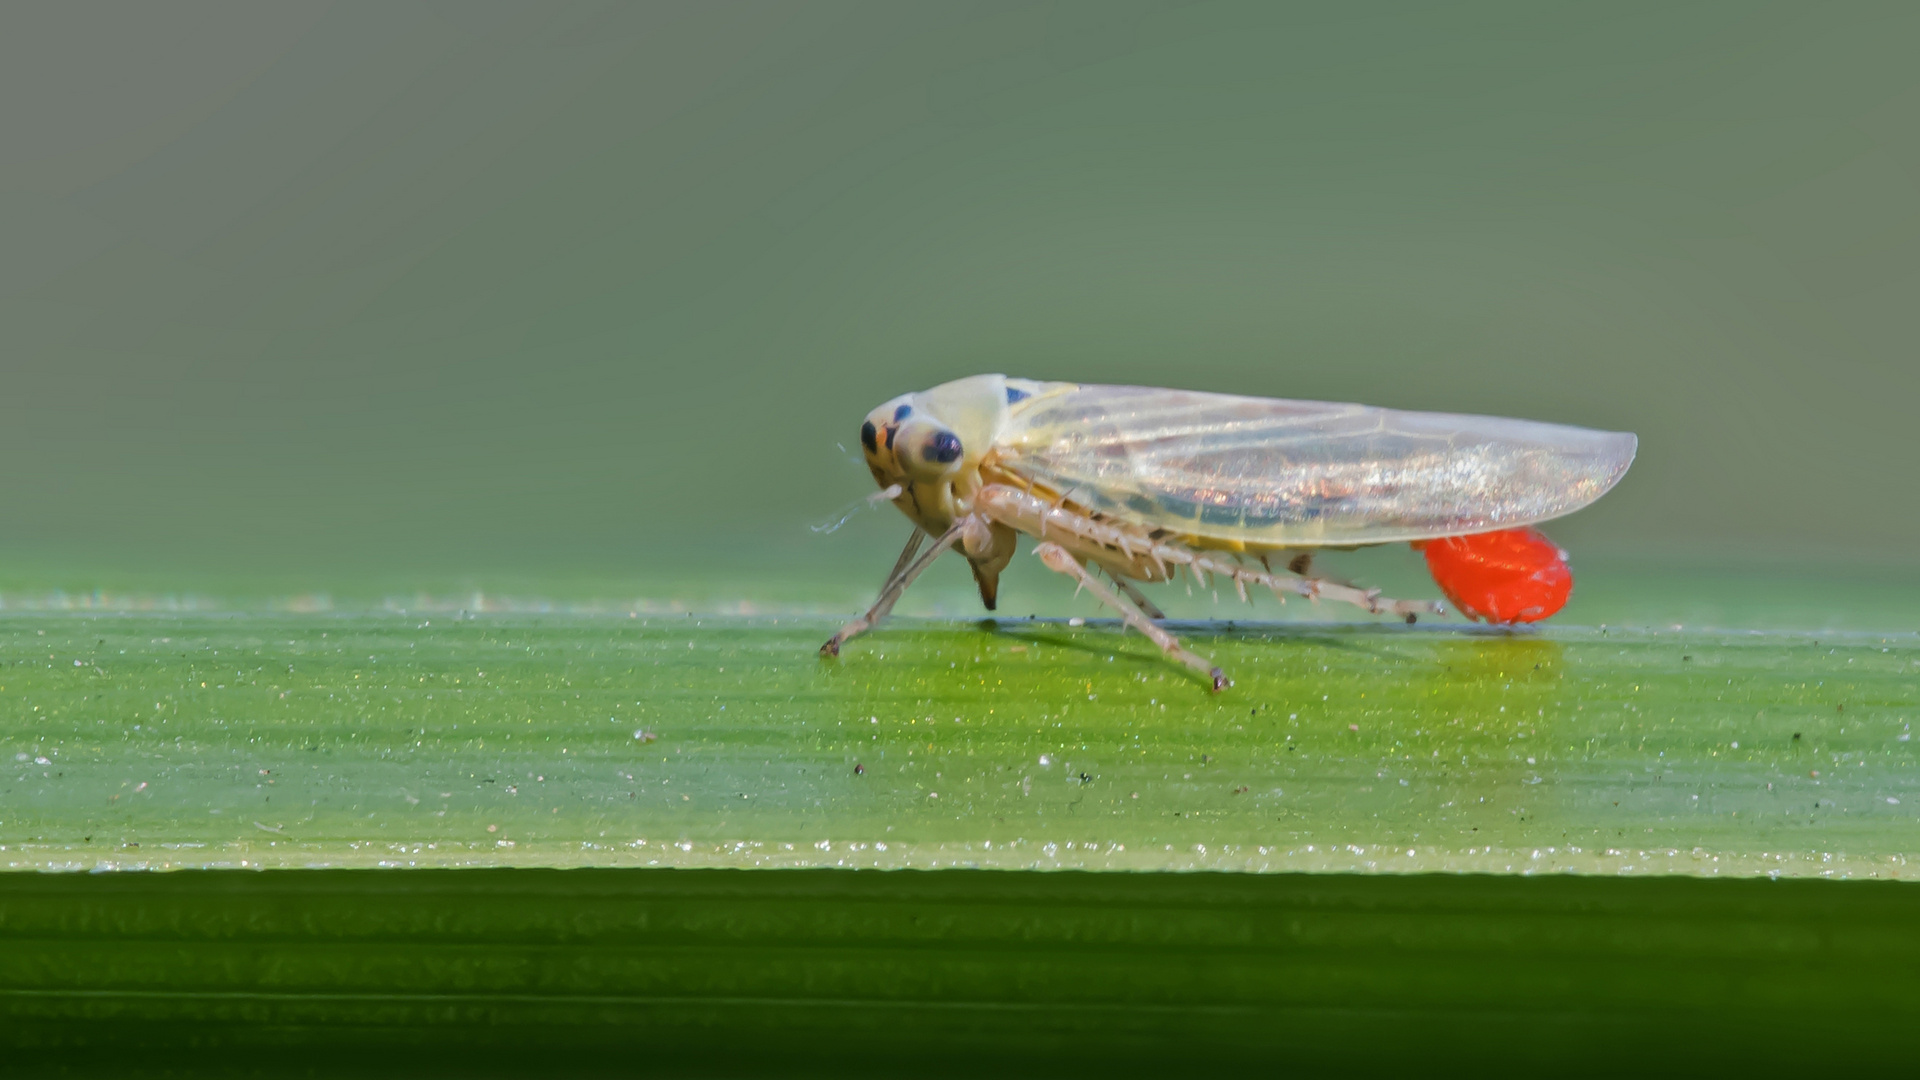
713, 972
285, 740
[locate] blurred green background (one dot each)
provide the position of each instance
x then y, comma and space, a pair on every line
582, 299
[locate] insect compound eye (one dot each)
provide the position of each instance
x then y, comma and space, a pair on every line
944, 448
870, 437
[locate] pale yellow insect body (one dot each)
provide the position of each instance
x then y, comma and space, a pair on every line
1142, 481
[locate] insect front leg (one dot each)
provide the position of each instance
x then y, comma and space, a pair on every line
906, 557
897, 583
1061, 560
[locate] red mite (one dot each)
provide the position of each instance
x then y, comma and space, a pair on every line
1510, 576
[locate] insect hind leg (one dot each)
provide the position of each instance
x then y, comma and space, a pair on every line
1158, 560
1320, 588
1062, 561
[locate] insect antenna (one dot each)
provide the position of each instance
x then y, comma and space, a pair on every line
847, 513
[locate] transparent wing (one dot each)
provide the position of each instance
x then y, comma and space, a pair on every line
1280, 473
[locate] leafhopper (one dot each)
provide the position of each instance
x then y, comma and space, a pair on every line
1143, 484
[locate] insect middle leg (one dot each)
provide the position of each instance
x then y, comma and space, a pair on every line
1061, 560
904, 571
1151, 609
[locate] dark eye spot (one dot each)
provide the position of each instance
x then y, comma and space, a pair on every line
1014, 395
944, 448
870, 437
902, 413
